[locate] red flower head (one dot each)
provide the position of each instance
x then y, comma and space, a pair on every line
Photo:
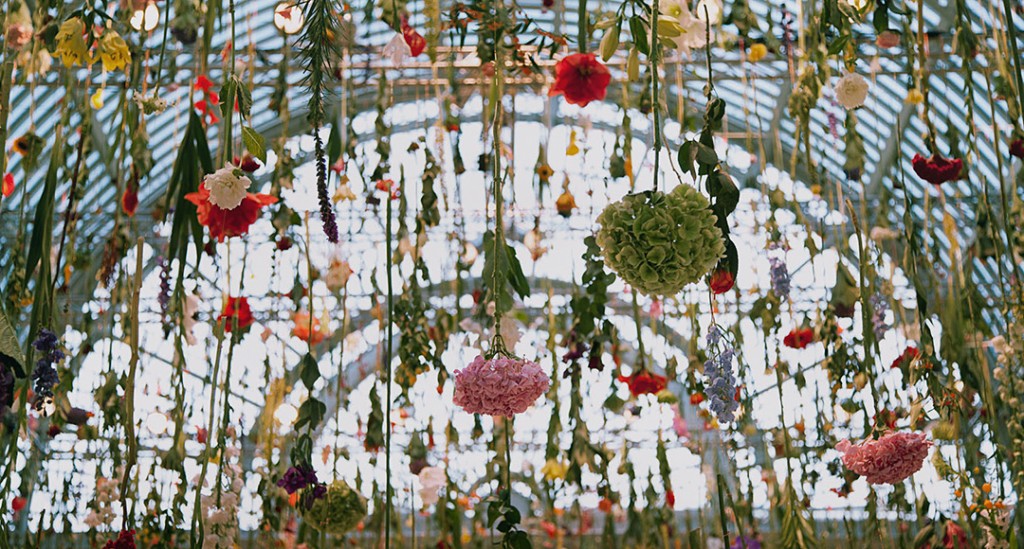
130, 200
954, 536
644, 383
696, 399
247, 163
721, 281
124, 540
798, 338
1017, 147
581, 78
236, 314
909, 354
227, 223
8, 185
413, 39
937, 169
18, 503
670, 498
210, 98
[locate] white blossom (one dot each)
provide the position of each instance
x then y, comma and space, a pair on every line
227, 186
851, 90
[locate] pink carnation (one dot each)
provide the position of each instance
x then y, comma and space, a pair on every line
500, 386
888, 460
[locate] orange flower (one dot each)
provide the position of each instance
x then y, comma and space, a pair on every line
8, 185
643, 383
302, 331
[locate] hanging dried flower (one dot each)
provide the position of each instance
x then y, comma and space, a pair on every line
499, 386
113, 51
937, 169
888, 460
7, 187
227, 187
228, 223
643, 382
721, 280
236, 315
851, 90
757, 52
70, 41
799, 338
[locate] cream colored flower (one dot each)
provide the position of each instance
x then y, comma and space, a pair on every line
851, 90
227, 186
432, 479
397, 49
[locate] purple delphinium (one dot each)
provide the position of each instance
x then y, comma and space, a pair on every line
780, 276
746, 542
45, 375
326, 212
297, 478
720, 388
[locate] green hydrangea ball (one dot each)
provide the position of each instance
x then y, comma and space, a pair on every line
660, 242
339, 511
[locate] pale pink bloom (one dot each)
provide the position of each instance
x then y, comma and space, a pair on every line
500, 386
679, 424
888, 460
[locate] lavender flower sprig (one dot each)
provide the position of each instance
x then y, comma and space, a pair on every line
720, 388
780, 276
45, 375
326, 211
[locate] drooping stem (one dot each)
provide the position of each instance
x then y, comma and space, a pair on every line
387, 368
129, 386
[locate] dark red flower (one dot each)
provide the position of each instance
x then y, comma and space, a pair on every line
1017, 147
721, 281
909, 354
227, 223
247, 163
8, 185
670, 498
18, 503
124, 540
284, 244
130, 200
954, 537
581, 78
798, 338
236, 314
644, 383
201, 435
414, 40
937, 169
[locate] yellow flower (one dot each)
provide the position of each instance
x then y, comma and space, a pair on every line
757, 52
97, 99
915, 97
573, 149
544, 172
71, 46
554, 469
113, 51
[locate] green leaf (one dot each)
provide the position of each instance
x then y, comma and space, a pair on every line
309, 371
334, 144
512, 515
639, 33
493, 513
687, 156
837, 45
311, 413
706, 154
244, 96
10, 350
254, 143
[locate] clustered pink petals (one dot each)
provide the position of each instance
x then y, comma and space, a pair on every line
501, 386
888, 460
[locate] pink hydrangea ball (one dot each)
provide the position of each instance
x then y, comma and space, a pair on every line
501, 386
888, 460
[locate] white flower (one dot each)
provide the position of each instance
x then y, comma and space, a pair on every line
188, 320
397, 49
851, 90
432, 479
150, 104
227, 187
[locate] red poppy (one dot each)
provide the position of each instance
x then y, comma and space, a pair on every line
644, 383
798, 338
581, 78
413, 39
937, 169
721, 281
130, 200
236, 314
8, 185
302, 331
1017, 147
227, 223
18, 503
909, 354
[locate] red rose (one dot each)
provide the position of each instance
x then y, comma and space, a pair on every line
937, 169
227, 223
415, 42
721, 281
644, 383
8, 185
581, 78
236, 314
1017, 147
130, 200
798, 338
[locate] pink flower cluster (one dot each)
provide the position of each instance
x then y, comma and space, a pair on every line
888, 460
500, 386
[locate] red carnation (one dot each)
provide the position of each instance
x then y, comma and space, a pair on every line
798, 338
236, 314
644, 383
227, 223
1017, 147
721, 281
937, 169
413, 39
581, 78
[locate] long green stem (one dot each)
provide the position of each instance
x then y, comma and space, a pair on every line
387, 368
